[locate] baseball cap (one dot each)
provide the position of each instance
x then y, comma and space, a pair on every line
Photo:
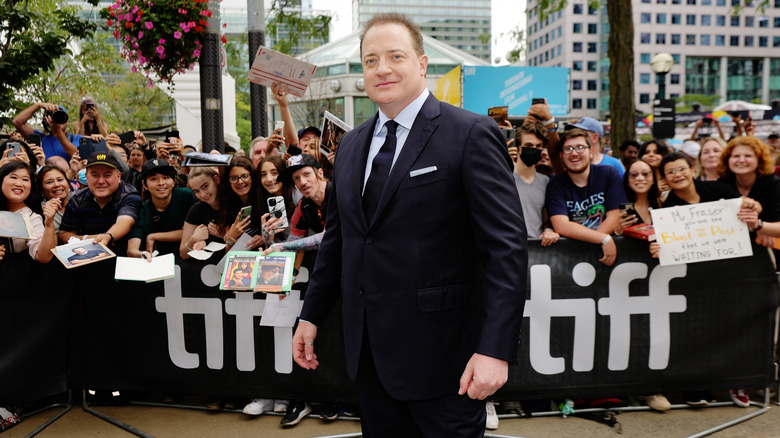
295, 163
102, 157
157, 165
691, 149
588, 124
773, 135
313, 129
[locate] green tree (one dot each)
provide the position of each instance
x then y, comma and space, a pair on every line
93, 69
34, 34
706, 102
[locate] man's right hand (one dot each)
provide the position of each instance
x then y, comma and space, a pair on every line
303, 345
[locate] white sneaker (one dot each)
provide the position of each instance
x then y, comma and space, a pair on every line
258, 406
281, 405
491, 422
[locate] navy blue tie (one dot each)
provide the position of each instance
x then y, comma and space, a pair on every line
380, 169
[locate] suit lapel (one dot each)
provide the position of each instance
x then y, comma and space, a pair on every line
422, 129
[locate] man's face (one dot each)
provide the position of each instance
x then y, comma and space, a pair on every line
307, 180
160, 185
630, 154
103, 180
393, 72
79, 251
267, 274
258, 151
576, 161
678, 174
774, 143
136, 158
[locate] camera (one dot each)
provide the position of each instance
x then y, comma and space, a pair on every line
59, 117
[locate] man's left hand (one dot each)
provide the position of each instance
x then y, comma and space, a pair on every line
483, 376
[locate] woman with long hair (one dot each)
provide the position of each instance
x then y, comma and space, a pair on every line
89, 122
238, 190
652, 151
18, 194
53, 183
271, 186
642, 191
200, 226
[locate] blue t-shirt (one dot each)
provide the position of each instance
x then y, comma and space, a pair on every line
51, 146
614, 162
587, 206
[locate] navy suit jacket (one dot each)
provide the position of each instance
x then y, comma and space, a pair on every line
440, 272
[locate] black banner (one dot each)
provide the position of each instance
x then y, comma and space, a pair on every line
589, 330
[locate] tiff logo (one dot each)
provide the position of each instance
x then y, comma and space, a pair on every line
540, 308
243, 306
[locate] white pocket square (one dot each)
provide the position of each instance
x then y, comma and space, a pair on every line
422, 171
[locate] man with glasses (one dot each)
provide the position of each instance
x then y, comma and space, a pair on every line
583, 203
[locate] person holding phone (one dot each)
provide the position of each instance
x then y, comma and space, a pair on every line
239, 191
89, 121
642, 194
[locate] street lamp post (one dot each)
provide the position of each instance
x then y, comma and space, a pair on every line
661, 64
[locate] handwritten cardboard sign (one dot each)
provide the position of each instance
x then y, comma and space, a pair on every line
701, 232
271, 66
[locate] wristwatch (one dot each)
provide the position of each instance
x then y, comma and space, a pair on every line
760, 225
229, 241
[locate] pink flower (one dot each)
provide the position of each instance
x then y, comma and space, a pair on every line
141, 60
150, 83
135, 69
140, 34
196, 53
161, 55
177, 35
162, 41
148, 24
160, 49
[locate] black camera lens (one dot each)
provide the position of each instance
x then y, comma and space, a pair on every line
59, 117
272, 202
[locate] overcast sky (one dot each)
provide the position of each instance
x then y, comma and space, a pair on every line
506, 15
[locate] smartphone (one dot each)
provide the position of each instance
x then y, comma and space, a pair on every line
171, 133
245, 212
15, 148
34, 139
536, 100
294, 150
509, 134
627, 209
279, 126
127, 137
706, 120
87, 147
277, 210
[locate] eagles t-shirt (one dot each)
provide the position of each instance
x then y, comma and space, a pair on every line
587, 206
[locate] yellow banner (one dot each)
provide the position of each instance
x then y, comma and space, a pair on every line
448, 87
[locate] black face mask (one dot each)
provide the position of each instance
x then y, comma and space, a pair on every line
530, 156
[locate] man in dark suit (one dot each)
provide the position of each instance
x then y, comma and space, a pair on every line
425, 240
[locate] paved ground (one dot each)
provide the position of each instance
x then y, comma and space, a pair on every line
175, 422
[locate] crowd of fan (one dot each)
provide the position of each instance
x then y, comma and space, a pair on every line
137, 198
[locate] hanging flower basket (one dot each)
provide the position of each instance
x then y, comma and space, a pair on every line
159, 38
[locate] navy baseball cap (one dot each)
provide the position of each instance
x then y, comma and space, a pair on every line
158, 165
312, 129
588, 124
103, 157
